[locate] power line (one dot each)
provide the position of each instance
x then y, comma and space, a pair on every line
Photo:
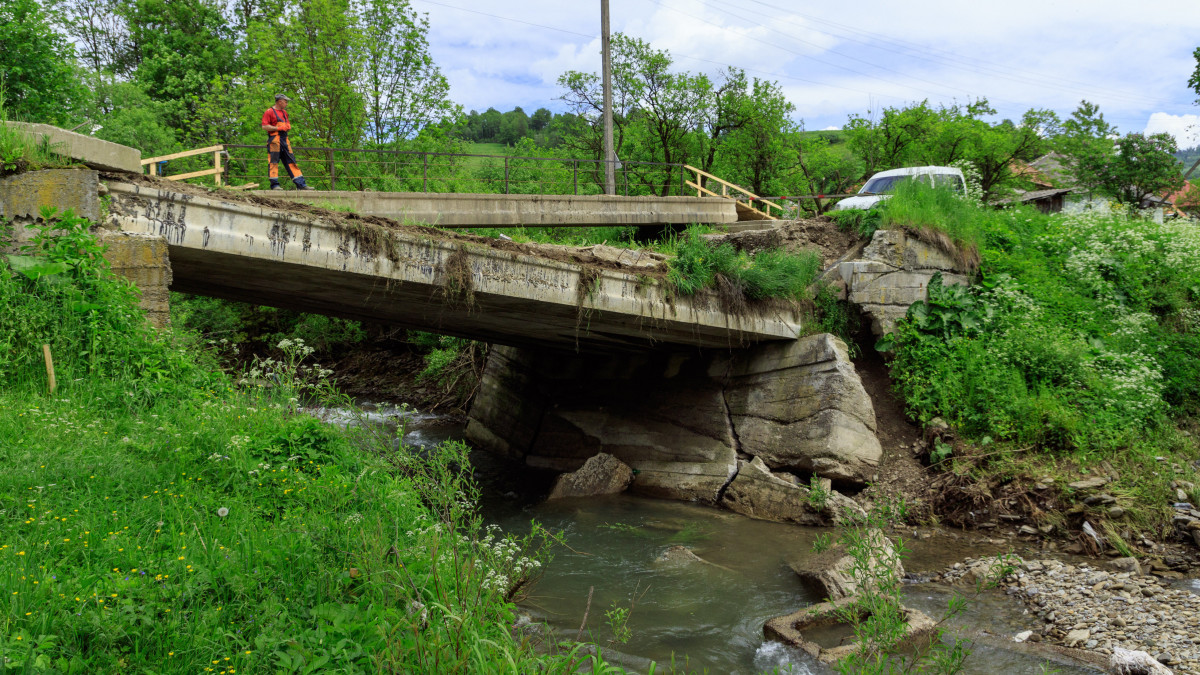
509, 18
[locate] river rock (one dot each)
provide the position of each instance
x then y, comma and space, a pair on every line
831, 573
602, 474
678, 555
1128, 662
1088, 483
1127, 564
1076, 638
759, 493
801, 406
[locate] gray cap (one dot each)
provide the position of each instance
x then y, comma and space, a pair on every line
282, 97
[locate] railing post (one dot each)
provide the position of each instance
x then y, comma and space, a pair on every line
505, 175
217, 168
332, 174
425, 172
625, 173
575, 170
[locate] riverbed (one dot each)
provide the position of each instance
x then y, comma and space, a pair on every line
706, 614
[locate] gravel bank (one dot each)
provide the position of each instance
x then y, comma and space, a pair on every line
1096, 609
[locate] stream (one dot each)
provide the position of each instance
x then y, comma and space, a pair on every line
707, 614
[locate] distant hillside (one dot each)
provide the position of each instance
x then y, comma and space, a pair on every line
1189, 156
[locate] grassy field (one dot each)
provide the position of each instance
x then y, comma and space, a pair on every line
158, 515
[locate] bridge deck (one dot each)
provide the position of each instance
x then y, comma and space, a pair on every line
308, 261
489, 210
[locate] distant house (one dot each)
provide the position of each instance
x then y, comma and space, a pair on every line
1055, 188
1182, 203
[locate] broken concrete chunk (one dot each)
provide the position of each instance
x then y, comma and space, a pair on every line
602, 474
759, 493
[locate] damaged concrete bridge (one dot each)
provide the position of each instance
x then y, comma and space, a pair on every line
591, 354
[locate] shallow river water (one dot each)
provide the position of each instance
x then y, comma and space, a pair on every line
706, 614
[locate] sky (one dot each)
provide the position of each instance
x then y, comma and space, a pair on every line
833, 60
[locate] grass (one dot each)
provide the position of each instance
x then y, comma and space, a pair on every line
20, 152
159, 515
698, 264
1078, 348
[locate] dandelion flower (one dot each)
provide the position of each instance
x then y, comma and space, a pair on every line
222, 512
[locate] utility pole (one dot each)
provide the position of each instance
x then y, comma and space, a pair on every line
610, 171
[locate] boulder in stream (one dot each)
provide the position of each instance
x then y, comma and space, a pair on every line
761, 494
831, 573
602, 474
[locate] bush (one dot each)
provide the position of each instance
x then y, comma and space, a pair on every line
1080, 336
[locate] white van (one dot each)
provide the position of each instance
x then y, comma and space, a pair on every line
877, 189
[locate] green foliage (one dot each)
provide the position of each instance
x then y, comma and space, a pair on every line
923, 135
1139, 166
925, 208
698, 264
822, 542
163, 519
863, 222
71, 302
818, 495
38, 82
1082, 335
876, 613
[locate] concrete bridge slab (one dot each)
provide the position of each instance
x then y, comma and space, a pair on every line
489, 210
421, 278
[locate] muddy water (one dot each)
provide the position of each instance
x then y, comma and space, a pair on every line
706, 613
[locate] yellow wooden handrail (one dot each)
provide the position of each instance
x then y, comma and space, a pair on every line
725, 186
216, 171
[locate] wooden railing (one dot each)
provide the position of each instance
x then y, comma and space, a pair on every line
215, 172
744, 198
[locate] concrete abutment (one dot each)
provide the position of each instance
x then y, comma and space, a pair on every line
140, 258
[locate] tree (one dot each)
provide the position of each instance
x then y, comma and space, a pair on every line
1194, 80
1140, 166
540, 119
514, 125
922, 135
753, 147
314, 53
181, 47
403, 88
99, 27
38, 81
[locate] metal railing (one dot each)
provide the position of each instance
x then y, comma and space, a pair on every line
417, 171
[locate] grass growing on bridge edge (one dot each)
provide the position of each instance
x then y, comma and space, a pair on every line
158, 516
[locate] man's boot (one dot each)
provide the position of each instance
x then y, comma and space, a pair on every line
301, 184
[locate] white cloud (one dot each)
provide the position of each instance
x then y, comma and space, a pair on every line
1185, 128
1020, 54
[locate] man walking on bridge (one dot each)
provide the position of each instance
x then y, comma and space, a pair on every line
279, 148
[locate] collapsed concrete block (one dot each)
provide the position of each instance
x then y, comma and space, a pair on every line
801, 406
679, 420
93, 152
758, 493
